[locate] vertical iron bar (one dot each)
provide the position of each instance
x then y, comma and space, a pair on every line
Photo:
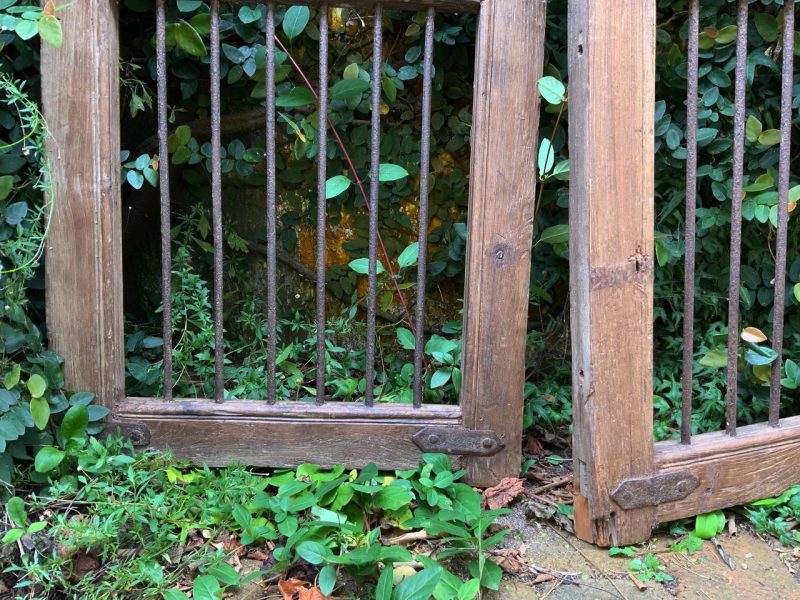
691, 205
787, 78
736, 216
424, 168
216, 203
322, 159
374, 187
163, 188
271, 209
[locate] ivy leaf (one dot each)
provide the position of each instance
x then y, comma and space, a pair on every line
336, 185
37, 386
313, 552
249, 15
75, 422
715, 359
361, 265
408, 256
295, 21
557, 234
347, 89
16, 212
552, 90
419, 586
6, 185
298, 96
390, 172
16, 511
40, 411
188, 39
136, 179
50, 30
327, 580
405, 338
206, 587
47, 459
752, 129
440, 377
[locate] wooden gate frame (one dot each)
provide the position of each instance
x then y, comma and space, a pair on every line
80, 90
624, 483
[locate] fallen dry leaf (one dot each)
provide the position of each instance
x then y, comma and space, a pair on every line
297, 589
503, 493
407, 538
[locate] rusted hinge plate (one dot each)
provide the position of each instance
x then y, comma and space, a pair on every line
137, 433
458, 440
653, 490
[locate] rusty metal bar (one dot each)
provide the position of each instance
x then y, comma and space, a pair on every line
787, 78
272, 282
424, 168
736, 216
163, 188
374, 188
322, 159
691, 205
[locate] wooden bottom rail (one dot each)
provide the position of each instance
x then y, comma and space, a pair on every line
761, 461
284, 434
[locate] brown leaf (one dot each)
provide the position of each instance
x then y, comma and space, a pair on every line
49, 8
532, 447
407, 538
297, 589
753, 335
503, 493
84, 563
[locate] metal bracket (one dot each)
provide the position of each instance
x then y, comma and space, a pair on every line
653, 490
458, 440
137, 433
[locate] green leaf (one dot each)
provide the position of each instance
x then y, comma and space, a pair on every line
206, 587
249, 15
759, 355
408, 256
189, 5
11, 379
313, 552
419, 586
6, 185
621, 551
715, 359
225, 573
40, 411
726, 35
47, 459
546, 158
393, 497
188, 39
752, 129
390, 172
347, 89
295, 21
469, 589
557, 234
440, 377
26, 29
361, 265
708, 525
173, 594
16, 511
336, 185
50, 30
770, 137
491, 576
298, 96
327, 580
767, 26
552, 90
796, 291
37, 386
384, 589
75, 422
12, 535
405, 338
16, 212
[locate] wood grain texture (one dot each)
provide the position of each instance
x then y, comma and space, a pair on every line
446, 6
281, 435
509, 61
761, 461
612, 89
80, 97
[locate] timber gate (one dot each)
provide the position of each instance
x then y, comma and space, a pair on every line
84, 265
624, 483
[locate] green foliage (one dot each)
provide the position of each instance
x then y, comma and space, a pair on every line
332, 519
778, 516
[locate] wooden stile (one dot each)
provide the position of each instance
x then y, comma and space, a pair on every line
612, 69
